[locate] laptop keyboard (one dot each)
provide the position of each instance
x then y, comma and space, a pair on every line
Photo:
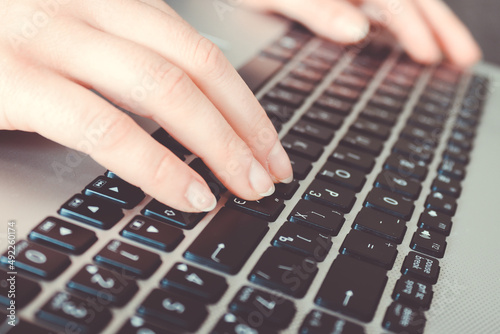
365, 128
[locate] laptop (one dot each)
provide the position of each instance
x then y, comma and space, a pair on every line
390, 225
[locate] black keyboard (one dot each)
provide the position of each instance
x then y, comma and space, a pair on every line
369, 133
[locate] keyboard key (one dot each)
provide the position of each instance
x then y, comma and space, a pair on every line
307, 73
400, 318
117, 191
303, 240
212, 181
69, 312
380, 224
317, 216
17, 288
446, 185
334, 104
267, 208
318, 322
426, 122
386, 102
138, 325
430, 243
92, 211
406, 167
393, 182
301, 167
390, 203
416, 134
413, 292
134, 260
276, 311
457, 154
284, 96
313, 131
344, 176
152, 233
421, 267
103, 284
193, 282
352, 287
442, 203
232, 324
297, 85
353, 158
367, 144
331, 195
284, 271
342, 92
379, 115
164, 213
352, 81
452, 169
327, 119
435, 221
227, 241
278, 111
171, 309
371, 128
302, 147
169, 142
63, 235
413, 150
36, 260
369, 248
286, 190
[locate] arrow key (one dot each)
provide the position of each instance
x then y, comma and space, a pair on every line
153, 233
92, 211
115, 190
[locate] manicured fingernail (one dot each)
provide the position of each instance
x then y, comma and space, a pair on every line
349, 31
279, 164
200, 197
260, 180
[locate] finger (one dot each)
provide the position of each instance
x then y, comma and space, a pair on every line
73, 116
454, 38
404, 20
205, 65
338, 20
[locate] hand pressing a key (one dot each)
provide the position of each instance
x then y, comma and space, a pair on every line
427, 29
143, 57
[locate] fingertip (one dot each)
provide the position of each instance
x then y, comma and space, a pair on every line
279, 164
200, 197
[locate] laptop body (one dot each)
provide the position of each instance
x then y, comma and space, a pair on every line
38, 176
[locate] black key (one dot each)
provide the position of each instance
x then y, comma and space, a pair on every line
278, 111
92, 211
303, 240
352, 287
286, 190
194, 282
301, 167
426, 122
371, 128
307, 73
63, 235
351, 81
164, 213
334, 104
413, 292
457, 154
353, 158
232, 324
407, 167
369, 248
16, 288
344, 176
212, 181
390, 203
430, 109
419, 135
327, 119
317, 216
380, 224
414, 150
446, 185
302, 147
360, 142
421, 267
400, 318
399, 79
318, 64
379, 115
134, 260
430, 243
258, 71
267, 208
227, 241
318, 322
36, 260
344, 93
284, 271
138, 325
452, 169
331, 195
387, 103
152, 233
313, 131
169, 142
396, 92
109, 287
435, 221
275, 310
171, 309
294, 84
442, 203
117, 191
284, 96
393, 182
69, 312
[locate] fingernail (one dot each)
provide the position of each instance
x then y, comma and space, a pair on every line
279, 164
349, 31
200, 197
260, 180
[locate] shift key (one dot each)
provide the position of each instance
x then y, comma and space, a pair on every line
227, 241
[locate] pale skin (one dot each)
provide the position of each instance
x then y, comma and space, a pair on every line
52, 52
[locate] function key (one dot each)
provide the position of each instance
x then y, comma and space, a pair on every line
194, 282
380, 224
152, 233
302, 147
164, 213
66, 311
390, 203
430, 243
371, 128
360, 142
369, 248
421, 267
301, 167
227, 241
435, 221
344, 176
92, 211
317, 216
12, 284
331, 195
267, 208
115, 190
318, 322
36, 260
63, 235
442, 203
133, 260
413, 292
313, 131
232, 324
325, 118
353, 158
392, 181
400, 318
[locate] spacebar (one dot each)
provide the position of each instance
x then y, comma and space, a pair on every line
258, 71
